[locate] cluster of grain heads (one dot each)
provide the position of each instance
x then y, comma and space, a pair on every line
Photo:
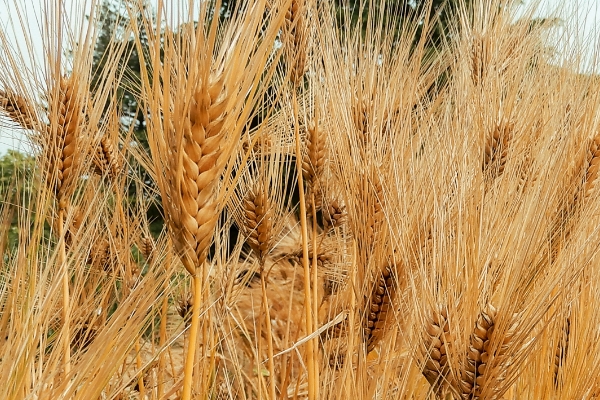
390, 147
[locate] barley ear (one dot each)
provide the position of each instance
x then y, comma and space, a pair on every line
194, 217
496, 150
295, 39
66, 118
379, 308
361, 112
19, 109
147, 247
561, 350
436, 340
258, 222
482, 368
334, 214
106, 159
313, 161
593, 163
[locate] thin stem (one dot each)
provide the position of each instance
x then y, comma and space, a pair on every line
307, 294
208, 339
348, 370
163, 331
66, 297
191, 353
315, 283
269, 337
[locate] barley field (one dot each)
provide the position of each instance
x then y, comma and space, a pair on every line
306, 200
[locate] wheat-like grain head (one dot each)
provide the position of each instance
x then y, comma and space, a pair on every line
19, 109
593, 163
334, 214
496, 150
147, 247
482, 369
106, 158
66, 119
313, 161
296, 40
379, 307
436, 340
258, 222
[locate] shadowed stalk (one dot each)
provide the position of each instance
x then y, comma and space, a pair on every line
315, 282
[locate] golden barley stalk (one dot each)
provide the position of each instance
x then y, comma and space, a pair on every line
271, 362
162, 336
315, 279
190, 188
62, 156
194, 217
258, 224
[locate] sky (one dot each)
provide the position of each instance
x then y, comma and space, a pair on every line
579, 26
